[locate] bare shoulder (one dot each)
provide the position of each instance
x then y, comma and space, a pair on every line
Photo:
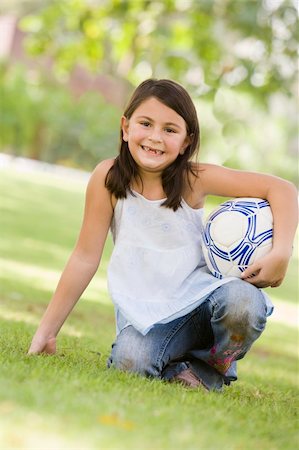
220, 180
212, 179
199, 169
193, 193
96, 189
200, 173
101, 170
207, 169
98, 176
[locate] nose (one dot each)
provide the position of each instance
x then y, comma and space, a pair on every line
155, 135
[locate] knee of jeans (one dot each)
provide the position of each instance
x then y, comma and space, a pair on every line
243, 310
133, 359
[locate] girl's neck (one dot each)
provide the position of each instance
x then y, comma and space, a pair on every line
150, 187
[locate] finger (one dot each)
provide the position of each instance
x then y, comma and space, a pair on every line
50, 347
276, 284
40, 347
34, 349
257, 280
250, 272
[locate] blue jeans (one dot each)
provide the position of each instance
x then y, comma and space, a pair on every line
209, 340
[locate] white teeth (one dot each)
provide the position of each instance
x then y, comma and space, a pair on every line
152, 150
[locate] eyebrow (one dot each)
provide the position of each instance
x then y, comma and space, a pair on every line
172, 124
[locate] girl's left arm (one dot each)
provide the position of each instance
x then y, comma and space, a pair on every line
283, 198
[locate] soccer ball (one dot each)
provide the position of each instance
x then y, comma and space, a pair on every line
237, 234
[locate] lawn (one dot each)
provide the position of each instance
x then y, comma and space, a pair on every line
70, 400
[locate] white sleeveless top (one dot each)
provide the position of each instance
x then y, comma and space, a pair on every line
157, 272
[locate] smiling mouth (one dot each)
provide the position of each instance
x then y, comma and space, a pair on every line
153, 151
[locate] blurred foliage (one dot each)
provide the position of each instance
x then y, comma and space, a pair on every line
239, 133
21, 7
237, 58
42, 120
205, 44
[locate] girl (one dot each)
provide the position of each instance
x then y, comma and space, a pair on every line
174, 320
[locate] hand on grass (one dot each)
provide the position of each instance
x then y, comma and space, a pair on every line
39, 345
267, 271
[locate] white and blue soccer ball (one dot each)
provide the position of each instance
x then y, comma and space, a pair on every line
236, 234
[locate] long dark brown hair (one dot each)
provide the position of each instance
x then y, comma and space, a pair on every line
125, 170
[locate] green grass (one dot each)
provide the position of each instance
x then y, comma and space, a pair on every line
71, 400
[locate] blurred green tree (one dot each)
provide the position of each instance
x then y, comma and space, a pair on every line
42, 120
237, 58
205, 44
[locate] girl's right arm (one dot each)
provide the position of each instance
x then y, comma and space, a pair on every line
83, 261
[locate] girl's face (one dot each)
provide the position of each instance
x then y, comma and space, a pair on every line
156, 135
